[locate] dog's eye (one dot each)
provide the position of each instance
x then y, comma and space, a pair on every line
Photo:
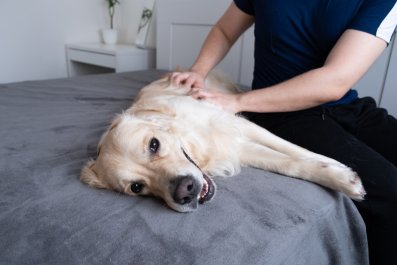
136, 187
154, 145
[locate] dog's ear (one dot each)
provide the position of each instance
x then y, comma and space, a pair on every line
113, 125
89, 176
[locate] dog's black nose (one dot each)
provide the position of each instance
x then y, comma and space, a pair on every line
184, 189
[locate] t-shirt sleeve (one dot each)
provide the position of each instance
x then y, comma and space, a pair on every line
377, 17
246, 6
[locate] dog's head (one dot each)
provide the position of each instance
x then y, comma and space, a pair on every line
141, 157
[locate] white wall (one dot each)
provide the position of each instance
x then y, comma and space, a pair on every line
130, 15
33, 33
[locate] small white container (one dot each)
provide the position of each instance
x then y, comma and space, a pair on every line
109, 36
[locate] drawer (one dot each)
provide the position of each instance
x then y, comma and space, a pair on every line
95, 58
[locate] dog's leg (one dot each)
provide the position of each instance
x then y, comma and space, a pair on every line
262, 136
332, 175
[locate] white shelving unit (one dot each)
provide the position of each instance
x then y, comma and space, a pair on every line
92, 58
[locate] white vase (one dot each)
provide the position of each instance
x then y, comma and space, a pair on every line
109, 36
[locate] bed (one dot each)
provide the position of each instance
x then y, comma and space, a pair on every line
50, 128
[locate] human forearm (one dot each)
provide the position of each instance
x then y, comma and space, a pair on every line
310, 89
212, 52
218, 42
304, 91
344, 66
221, 38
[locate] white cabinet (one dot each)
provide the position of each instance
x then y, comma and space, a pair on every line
92, 58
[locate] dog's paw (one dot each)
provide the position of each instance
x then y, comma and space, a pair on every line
339, 177
350, 183
355, 190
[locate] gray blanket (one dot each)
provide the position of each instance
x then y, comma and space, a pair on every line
49, 129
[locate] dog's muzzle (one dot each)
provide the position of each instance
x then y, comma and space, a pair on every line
187, 190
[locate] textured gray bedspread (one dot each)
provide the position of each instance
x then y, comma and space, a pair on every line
49, 129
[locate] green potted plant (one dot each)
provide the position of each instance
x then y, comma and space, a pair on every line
110, 35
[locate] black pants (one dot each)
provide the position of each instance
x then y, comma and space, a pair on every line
363, 137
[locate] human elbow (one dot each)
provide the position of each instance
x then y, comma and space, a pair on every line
340, 84
336, 94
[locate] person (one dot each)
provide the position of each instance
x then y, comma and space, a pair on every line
308, 55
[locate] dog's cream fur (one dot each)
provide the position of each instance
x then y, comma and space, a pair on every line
167, 143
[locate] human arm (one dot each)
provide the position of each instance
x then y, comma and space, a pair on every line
218, 42
347, 62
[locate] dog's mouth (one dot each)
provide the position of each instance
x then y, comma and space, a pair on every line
208, 190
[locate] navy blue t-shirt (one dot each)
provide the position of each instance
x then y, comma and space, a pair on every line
295, 36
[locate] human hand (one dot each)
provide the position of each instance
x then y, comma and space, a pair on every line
228, 102
188, 79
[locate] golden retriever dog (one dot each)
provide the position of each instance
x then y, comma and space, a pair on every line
169, 145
